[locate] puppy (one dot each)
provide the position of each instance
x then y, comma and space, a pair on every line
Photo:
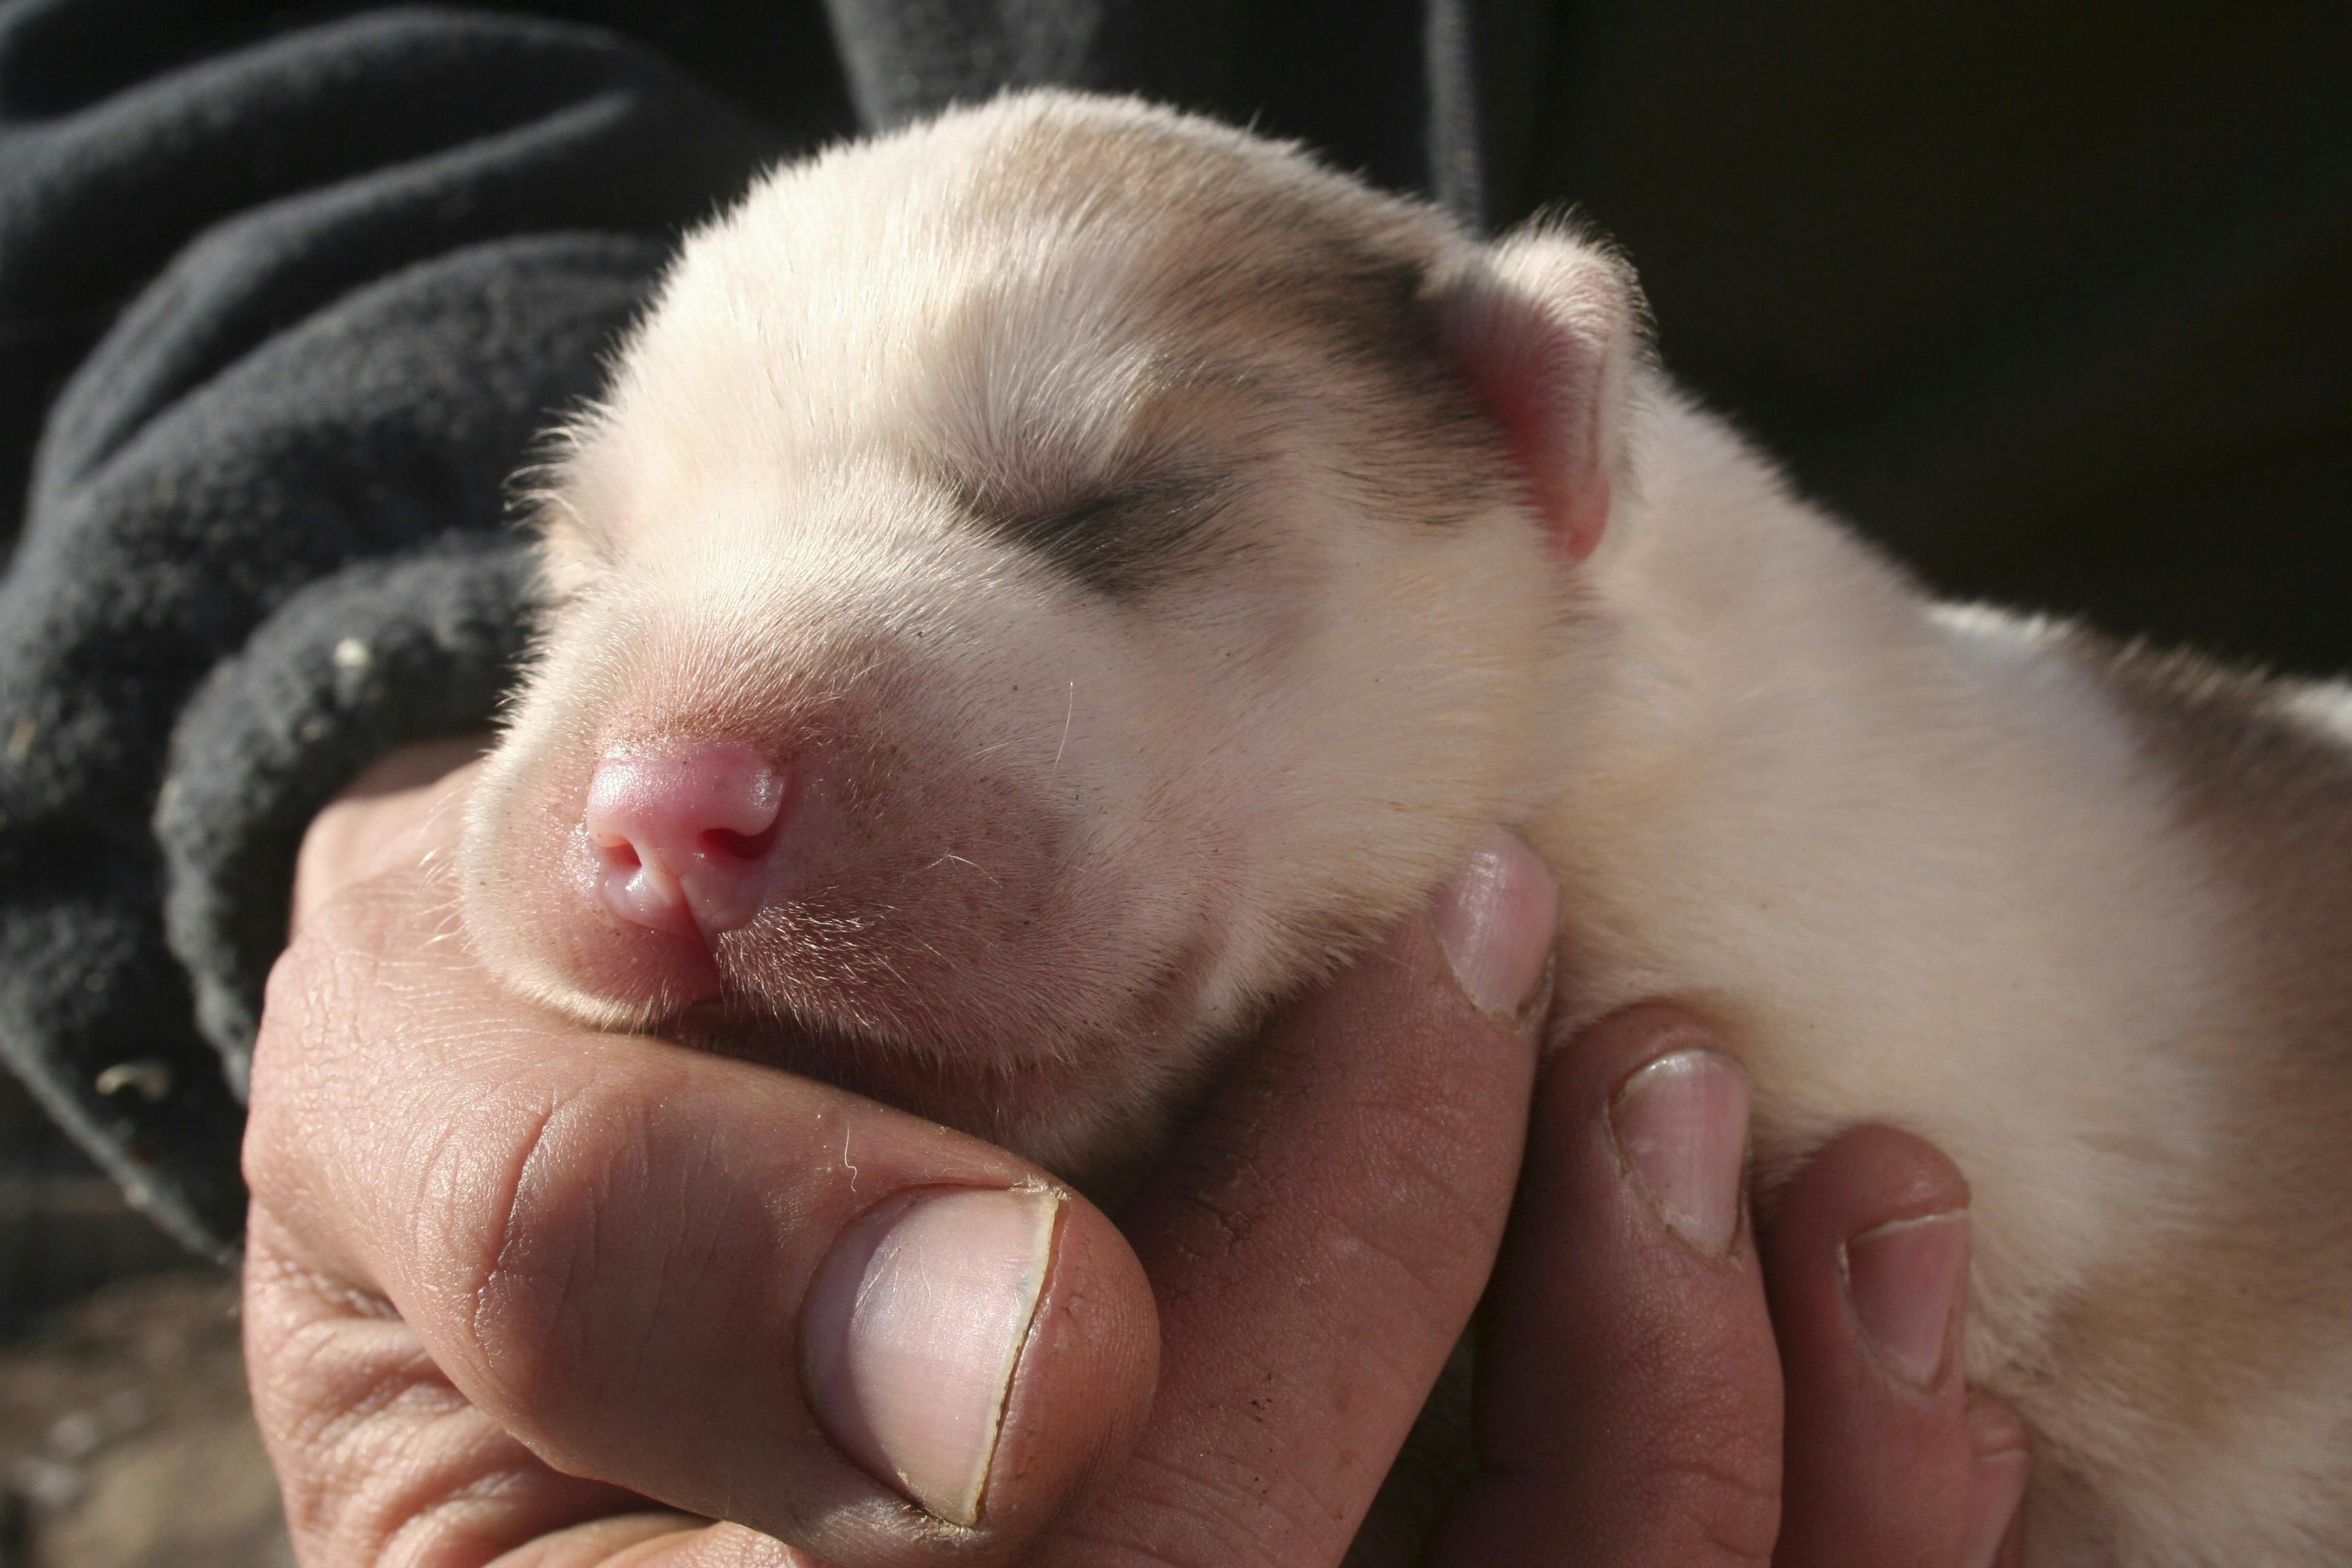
1045, 586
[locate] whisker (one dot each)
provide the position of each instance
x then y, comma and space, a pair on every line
1068, 712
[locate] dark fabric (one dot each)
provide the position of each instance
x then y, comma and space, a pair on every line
389, 649
2060, 302
276, 322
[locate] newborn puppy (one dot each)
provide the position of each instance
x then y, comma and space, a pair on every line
1047, 584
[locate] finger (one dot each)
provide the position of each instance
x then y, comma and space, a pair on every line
598, 1251
2000, 1462
656, 1541
370, 1443
385, 818
1319, 1240
1866, 1261
1628, 1393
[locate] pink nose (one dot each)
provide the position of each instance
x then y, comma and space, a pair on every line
683, 842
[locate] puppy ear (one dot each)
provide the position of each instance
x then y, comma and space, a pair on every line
1547, 327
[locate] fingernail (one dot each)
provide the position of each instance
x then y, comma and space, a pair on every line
1905, 1279
1496, 920
913, 1329
1682, 1124
2000, 1466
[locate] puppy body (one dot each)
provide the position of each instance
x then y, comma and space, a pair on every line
2075, 917
1154, 559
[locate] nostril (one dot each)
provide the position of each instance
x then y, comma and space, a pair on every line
726, 844
683, 838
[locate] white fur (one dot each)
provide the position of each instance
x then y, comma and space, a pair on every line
1918, 863
1916, 866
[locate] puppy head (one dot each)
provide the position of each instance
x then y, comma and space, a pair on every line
1039, 587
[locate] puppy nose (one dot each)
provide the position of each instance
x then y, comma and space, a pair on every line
683, 842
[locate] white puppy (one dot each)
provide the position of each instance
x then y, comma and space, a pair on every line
1044, 585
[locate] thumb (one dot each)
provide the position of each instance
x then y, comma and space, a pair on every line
507, 1250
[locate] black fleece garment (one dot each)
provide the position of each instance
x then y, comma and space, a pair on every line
276, 320
286, 292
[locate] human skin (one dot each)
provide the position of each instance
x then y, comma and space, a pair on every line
509, 1280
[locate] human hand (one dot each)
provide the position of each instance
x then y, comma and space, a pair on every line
509, 1279
1636, 1398
459, 1290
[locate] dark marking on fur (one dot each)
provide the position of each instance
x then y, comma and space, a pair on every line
1123, 543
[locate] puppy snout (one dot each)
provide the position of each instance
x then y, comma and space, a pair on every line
687, 842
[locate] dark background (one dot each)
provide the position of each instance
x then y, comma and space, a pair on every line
2056, 299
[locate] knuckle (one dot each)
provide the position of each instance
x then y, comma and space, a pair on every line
521, 1221
480, 1233
332, 1383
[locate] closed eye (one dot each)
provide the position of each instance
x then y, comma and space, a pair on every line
1125, 541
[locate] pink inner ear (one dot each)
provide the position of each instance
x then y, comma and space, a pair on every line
1542, 382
